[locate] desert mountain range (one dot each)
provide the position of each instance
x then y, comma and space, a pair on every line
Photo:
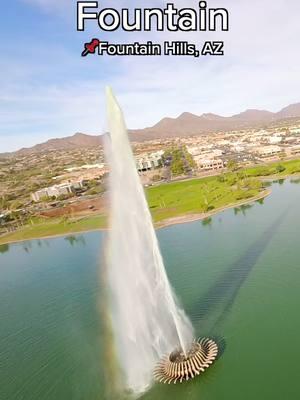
186, 124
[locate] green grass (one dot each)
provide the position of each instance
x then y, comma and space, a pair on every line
55, 227
165, 201
291, 167
197, 196
172, 200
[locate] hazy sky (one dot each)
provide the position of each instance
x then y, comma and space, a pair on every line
48, 90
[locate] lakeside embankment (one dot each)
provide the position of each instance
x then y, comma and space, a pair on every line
198, 217
45, 229
176, 202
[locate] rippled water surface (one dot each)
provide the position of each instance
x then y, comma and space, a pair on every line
238, 277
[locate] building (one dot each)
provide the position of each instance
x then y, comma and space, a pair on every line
56, 190
295, 131
294, 150
275, 139
86, 167
209, 164
200, 149
268, 151
237, 148
39, 195
85, 173
148, 162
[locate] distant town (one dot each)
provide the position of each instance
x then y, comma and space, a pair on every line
64, 183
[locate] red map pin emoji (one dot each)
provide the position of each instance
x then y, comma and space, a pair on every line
90, 48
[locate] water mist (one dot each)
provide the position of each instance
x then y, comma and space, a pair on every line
145, 318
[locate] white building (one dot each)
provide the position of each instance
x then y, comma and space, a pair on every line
39, 195
295, 130
209, 164
87, 166
237, 148
56, 190
268, 151
294, 150
147, 162
200, 149
275, 139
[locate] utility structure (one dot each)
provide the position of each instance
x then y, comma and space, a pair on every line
178, 367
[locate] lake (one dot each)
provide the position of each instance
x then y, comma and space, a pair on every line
236, 274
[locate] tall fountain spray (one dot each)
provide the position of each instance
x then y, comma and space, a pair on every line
146, 321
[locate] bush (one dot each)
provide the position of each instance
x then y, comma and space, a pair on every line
254, 184
280, 168
232, 165
232, 180
207, 208
95, 190
15, 205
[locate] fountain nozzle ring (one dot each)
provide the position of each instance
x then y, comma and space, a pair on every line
178, 367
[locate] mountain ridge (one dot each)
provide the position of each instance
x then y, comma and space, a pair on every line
186, 124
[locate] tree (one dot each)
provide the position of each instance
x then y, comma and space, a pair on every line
232, 165
177, 167
280, 168
15, 205
65, 220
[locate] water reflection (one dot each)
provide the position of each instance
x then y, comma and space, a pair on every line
73, 240
242, 209
295, 180
207, 221
261, 201
4, 248
279, 181
267, 184
27, 246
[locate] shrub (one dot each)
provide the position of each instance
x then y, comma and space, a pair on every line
280, 168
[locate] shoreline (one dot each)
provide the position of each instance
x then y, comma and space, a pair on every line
198, 217
182, 219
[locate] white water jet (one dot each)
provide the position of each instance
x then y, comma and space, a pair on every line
146, 320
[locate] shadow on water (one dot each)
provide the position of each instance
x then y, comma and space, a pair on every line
213, 307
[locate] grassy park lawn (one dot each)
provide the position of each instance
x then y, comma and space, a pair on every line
53, 227
165, 201
199, 195
278, 169
173, 200
208, 194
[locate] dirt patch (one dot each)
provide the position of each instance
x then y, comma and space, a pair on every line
84, 207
